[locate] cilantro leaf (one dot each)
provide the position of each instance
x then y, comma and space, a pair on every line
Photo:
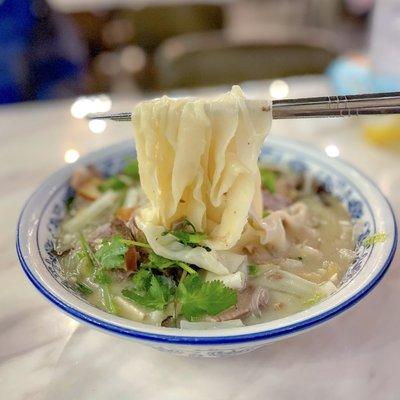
132, 169
192, 239
111, 254
157, 293
199, 298
102, 277
113, 183
142, 279
158, 262
253, 270
268, 179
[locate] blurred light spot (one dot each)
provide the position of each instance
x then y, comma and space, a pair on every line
107, 63
97, 125
80, 107
332, 150
278, 89
133, 59
71, 156
83, 106
173, 50
118, 31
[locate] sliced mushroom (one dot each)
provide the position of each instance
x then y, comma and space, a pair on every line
125, 213
89, 189
85, 181
131, 259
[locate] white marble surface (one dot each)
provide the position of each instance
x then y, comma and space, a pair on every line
46, 355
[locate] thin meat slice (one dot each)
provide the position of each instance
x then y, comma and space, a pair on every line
274, 201
109, 229
250, 300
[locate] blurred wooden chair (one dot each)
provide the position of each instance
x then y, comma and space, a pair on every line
217, 58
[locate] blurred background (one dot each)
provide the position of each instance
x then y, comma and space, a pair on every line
51, 49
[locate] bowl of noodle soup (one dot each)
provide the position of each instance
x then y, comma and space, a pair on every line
43, 214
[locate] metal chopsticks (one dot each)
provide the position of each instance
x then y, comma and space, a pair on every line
312, 107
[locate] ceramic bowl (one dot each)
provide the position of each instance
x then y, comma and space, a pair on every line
41, 216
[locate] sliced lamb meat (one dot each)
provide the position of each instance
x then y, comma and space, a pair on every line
250, 300
105, 231
135, 231
101, 232
119, 227
288, 185
274, 201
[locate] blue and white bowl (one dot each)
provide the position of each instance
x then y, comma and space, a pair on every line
41, 216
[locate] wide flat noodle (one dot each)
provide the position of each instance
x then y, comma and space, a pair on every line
198, 159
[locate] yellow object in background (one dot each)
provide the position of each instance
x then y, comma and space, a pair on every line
383, 131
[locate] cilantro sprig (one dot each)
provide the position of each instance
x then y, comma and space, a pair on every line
121, 181
111, 254
196, 298
132, 169
268, 179
99, 275
187, 234
158, 262
199, 298
112, 183
150, 290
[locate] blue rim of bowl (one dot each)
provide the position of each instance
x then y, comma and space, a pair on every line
215, 340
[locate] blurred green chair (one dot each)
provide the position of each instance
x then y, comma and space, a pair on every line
214, 58
155, 23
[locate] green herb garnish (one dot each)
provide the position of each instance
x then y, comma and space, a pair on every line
152, 291
142, 279
253, 270
191, 239
268, 179
113, 183
158, 262
111, 254
132, 169
199, 298
99, 275
102, 277
83, 288
265, 213
374, 239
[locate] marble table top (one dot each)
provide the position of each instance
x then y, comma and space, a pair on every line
44, 354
